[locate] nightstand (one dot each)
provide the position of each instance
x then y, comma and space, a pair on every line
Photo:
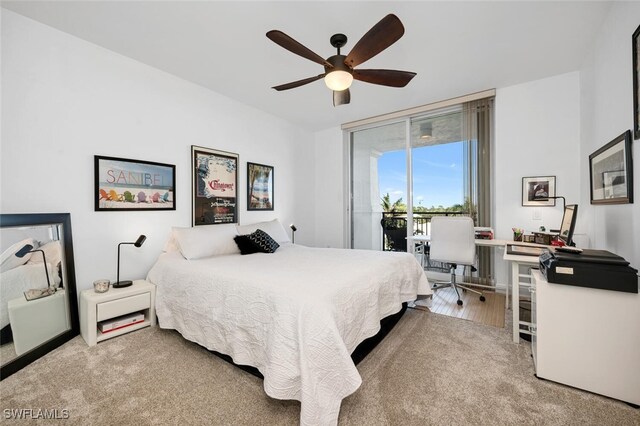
96, 307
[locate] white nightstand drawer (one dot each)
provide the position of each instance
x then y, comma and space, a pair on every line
116, 308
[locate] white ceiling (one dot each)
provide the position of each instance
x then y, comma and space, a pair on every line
455, 48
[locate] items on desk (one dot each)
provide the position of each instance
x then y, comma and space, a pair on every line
483, 233
589, 268
517, 234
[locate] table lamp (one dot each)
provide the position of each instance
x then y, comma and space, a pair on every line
293, 233
118, 283
28, 248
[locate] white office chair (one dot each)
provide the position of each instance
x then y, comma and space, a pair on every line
453, 242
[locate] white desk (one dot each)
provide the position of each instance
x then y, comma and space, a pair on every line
515, 262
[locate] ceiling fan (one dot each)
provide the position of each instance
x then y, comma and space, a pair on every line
339, 70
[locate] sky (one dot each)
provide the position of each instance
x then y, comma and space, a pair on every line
437, 175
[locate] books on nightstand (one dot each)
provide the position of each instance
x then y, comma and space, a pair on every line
120, 322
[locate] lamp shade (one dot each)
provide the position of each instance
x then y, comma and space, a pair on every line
338, 80
24, 250
141, 239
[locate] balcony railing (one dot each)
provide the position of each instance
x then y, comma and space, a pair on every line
394, 226
394, 238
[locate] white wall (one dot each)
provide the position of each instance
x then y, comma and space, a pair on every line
537, 133
65, 100
330, 186
607, 111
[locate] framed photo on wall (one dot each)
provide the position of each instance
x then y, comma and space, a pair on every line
124, 184
611, 172
635, 44
214, 177
536, 191
259, 187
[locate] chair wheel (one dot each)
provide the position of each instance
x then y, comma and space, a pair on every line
482, 299
460, 302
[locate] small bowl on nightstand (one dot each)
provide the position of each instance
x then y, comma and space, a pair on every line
101, 286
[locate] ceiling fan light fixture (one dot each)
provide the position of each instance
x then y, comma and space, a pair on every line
338, 80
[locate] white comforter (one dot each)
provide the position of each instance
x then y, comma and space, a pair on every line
296, 315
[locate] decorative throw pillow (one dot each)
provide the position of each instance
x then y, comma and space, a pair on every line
263, 241
274, 228
245, 244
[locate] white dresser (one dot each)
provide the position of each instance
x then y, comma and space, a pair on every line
587, 338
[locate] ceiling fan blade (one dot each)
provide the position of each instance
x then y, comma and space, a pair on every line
379, 37
298, 83
393, 78
291, 45
341, 97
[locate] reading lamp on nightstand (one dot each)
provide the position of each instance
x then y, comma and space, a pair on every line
118, 283
293, 233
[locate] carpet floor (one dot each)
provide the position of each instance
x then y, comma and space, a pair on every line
430, 370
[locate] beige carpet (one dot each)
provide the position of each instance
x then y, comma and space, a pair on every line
430, 370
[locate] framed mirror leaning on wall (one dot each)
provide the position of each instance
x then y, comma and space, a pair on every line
38, 303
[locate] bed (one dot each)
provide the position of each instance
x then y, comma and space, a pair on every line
296, 314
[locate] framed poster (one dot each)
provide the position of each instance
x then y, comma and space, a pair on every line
259, 187
536, 191
214, 177
611, 172
635, 44
124, 184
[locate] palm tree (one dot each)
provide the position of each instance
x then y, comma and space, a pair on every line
387, 206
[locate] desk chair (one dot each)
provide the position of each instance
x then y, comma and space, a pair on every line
453, 242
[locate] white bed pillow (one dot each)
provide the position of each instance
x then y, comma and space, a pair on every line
274, 228
9, 260
206, 240
171, 245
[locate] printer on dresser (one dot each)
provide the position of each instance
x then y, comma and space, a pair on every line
588, 338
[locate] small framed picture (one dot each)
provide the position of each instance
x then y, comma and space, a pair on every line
259, 187
611, 172
214, 189
536, 191
124, 184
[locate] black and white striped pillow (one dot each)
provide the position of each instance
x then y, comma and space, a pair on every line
263, 241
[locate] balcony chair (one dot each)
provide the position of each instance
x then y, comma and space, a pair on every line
453, 242
395, 231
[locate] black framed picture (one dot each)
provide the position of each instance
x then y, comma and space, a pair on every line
125, 184
214, 178
536, 191
635, 44
259, 187
611, 172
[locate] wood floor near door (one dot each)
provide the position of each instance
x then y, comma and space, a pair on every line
489, 312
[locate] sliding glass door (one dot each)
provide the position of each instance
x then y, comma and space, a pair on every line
378, 184
405, 172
